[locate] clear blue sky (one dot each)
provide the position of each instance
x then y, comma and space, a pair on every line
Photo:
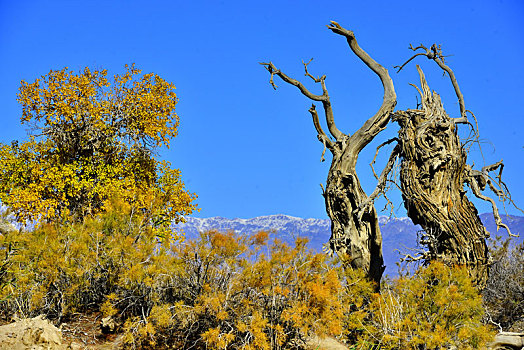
244, 148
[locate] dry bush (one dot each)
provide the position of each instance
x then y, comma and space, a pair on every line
244, 292
59, 269
219, 290
436, 308
504, 292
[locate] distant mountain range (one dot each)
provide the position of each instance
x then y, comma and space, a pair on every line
398, 234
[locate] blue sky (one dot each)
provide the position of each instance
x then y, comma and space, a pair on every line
244, 148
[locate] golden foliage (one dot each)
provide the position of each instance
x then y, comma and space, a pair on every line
94, 139
94, 265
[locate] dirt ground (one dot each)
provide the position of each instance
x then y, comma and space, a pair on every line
78, 333
83, 332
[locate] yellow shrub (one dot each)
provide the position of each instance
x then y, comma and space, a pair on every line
436, 308
113, 261
243, 292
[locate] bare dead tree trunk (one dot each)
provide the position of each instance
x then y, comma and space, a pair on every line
354, 236
432, 176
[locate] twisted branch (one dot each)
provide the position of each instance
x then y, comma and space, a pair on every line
382, 180
322, 137
378, 122
478, 180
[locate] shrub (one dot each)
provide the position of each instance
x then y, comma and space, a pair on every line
243, 292
436, 308
219, 290
60, 269
504, 292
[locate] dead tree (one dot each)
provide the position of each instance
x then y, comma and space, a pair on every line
433, 175
355, 236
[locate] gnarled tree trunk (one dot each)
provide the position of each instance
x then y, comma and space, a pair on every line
432, 176
357, 239
354, 237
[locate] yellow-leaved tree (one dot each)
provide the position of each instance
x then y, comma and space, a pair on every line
93, 138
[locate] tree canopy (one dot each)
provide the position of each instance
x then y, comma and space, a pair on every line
92, 138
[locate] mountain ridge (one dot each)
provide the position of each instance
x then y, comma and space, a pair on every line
399, 234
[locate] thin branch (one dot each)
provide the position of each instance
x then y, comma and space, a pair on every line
477, 182
382, 180
405, 63
409, 258
324, 98
328, 111
420, 92
307, 74
320, 132
376, 154
322, 137
270, 67
503, 193
496, 215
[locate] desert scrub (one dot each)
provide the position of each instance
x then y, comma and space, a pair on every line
223, 290
504, 292
59, 269
243, 292
220, 290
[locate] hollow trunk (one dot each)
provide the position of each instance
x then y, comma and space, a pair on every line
433, 173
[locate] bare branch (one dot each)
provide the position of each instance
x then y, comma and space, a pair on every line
420, 92
412, 57
324, 98
322, 137
409, 258
496, 215
378, 122
503, 192
270, 67
435, 53
376, 154
307, 74
477, 182
382, 180
330, 119
320, 132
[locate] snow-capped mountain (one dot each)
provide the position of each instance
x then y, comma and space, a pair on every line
398, 234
